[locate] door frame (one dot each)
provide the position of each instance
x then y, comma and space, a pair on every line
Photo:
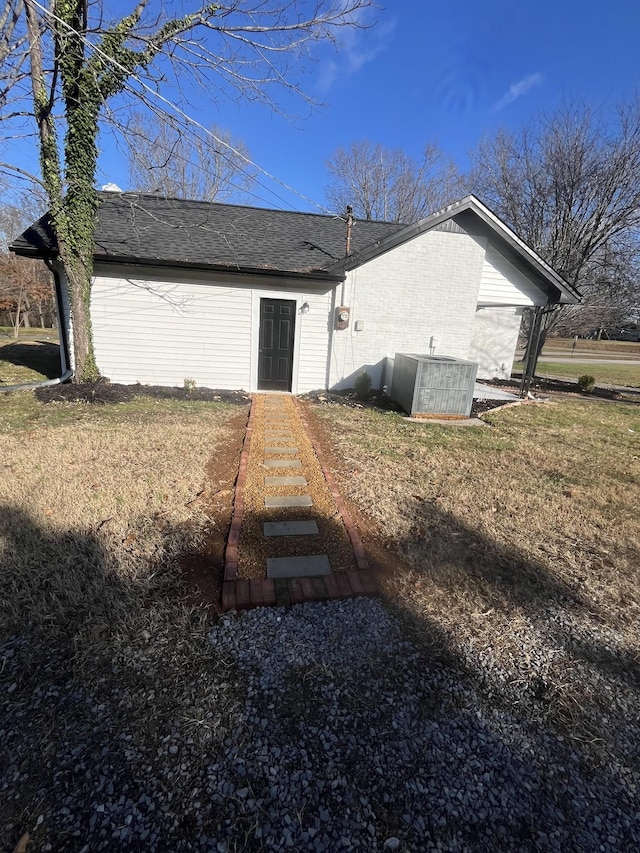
256, 296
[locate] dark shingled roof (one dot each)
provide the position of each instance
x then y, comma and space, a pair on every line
141, 228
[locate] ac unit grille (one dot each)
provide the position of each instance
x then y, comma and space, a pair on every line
433, 385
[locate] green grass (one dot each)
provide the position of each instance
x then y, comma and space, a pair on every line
20, 410
28, 361
606, 374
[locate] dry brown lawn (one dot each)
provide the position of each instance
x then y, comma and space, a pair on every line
515, 548
97, 503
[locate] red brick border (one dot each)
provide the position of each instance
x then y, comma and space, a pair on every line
231, 551
354, 534
241, 594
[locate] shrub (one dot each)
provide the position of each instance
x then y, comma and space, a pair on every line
586, 382
189, 385
363, 385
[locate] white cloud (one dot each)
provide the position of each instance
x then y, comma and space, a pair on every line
516, 90
358, 47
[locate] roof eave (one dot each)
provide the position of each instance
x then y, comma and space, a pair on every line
307, 275
567, 293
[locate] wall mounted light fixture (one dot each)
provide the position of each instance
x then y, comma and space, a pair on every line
305, 308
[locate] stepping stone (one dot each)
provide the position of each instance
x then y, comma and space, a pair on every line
281, 450
282, 463
288, 500
298, 567
290, 528
285, 481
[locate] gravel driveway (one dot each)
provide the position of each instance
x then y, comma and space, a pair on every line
341, 736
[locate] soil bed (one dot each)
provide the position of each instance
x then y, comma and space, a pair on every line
103, 391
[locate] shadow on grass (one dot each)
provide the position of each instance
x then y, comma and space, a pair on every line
115, 703
39, 356
530, 638
103, 671
527, 638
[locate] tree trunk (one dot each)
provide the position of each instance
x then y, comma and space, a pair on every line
16, 320
79, 283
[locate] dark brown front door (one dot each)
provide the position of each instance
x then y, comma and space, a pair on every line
275, 359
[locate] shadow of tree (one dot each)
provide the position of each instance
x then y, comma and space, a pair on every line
104, 675
531, 637
528, 639
40, 356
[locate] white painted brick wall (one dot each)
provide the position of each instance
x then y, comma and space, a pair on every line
428, 286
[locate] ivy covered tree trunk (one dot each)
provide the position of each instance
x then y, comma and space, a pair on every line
77, 63
87, 82
80, 206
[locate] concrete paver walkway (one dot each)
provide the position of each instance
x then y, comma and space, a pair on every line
304, 576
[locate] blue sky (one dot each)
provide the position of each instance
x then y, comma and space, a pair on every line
430, 72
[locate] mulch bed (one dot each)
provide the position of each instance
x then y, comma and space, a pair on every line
102, 391
380, 402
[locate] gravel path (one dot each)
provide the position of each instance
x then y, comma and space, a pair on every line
317, 728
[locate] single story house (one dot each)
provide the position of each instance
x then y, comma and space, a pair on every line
237, 297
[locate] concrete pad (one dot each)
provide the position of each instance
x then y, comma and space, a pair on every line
282, 463
281, 450
290, 528
285, 481
288, 500
298, 567
486, 392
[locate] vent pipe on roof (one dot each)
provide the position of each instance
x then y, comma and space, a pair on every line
350, 221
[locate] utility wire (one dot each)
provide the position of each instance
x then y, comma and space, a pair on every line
189, 119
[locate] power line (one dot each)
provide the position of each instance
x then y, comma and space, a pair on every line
189, 119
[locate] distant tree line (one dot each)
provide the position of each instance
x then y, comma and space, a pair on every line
568, 183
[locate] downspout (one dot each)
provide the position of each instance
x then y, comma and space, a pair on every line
26, 386
62, 331
66, 372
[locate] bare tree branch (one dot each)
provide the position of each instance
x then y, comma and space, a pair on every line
390, 185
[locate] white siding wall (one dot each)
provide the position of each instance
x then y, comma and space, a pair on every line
428, 286
493, 341
503, 284
148, 328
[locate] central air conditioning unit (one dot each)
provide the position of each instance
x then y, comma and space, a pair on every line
432, 386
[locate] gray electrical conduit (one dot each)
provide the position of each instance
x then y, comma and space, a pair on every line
26, 386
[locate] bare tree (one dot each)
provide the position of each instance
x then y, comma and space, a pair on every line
389, 185
569, 185
165, 159
78, 60
26, 286
26, 292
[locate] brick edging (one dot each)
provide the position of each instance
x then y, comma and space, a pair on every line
243, 594
231, 550
354, 534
